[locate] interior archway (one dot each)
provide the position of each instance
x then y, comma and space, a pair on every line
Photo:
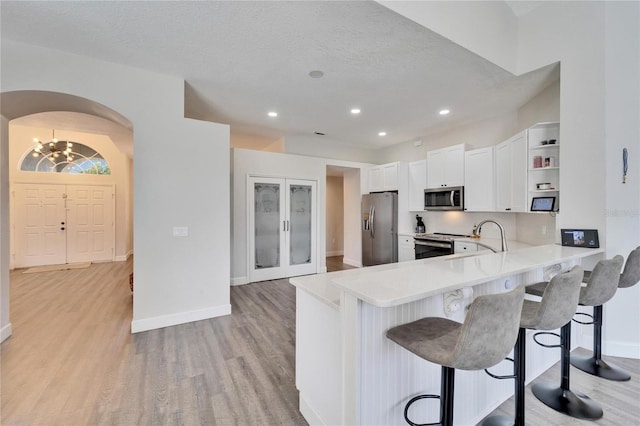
62, 111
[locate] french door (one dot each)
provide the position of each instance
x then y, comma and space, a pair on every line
57, 224
282, 228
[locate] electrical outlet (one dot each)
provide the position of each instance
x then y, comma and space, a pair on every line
544, 230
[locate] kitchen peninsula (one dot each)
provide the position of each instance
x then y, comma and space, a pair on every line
348, 373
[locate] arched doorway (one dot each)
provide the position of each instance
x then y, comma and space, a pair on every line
47, 109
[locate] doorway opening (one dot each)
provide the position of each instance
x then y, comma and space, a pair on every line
84, 204
342, 218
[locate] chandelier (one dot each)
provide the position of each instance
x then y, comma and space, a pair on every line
54, 148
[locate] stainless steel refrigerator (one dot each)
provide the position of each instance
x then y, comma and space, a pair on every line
379, 228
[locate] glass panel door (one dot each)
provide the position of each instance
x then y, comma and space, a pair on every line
282, 222
300, 224
267, 225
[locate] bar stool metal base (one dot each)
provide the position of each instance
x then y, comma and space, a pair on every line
571, 403
600, 368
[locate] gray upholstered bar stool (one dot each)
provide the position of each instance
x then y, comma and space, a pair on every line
487, 335
600, 288
595, 364
557, 307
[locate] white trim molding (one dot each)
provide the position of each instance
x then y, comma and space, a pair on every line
179, 318
352, 262
5, 332
621, 349
335, 253
309, 413
239, 280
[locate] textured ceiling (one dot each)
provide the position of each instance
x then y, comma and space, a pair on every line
241, 59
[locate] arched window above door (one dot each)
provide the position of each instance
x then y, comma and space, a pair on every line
65, 157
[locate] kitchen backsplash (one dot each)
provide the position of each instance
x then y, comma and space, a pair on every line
528, 228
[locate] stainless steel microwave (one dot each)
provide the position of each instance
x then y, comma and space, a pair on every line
451, 198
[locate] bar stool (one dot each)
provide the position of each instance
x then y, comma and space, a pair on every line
557, 307
595, 365
600, 288
487, 335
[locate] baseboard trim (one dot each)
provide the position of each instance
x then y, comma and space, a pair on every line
239, 281
124, 258
621, 349
335, 253
352, 262
309, 413
5, 332
180, 318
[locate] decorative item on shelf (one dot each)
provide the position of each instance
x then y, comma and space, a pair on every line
544, 142
537, 162
54, 147
545, 185
552, 141
550, 162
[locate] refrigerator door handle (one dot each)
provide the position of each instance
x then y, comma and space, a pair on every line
372, 225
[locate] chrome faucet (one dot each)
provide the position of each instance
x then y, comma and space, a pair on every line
477, 230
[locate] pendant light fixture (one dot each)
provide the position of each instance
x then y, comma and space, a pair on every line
53, 148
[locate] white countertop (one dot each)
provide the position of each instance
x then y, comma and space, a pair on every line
398, 283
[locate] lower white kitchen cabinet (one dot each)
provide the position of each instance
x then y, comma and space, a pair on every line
464, 247
406, 248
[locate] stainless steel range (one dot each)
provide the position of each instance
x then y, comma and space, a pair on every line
436, 244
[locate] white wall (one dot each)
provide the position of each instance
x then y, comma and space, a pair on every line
623, 131
176, 279
248, 162
597, 46
486, 28
5, 322
600, 115
354, 184
325, 147
21, 142
335, 216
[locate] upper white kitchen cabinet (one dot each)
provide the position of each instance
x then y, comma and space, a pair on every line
417, 184
445, 167
511, 174
385, 177
479, 181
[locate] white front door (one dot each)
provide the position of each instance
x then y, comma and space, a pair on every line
57, 224
40, 237
90, 223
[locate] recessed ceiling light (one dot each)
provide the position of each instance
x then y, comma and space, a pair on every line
444, 111
382, 134
316, 74
272, 114
355, 110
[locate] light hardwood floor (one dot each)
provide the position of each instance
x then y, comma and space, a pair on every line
72, 360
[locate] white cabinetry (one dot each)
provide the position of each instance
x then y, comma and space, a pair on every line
406, 248
417, 184
384, 177
445, 167
511, 174
544, 161
479, 182
464, 247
